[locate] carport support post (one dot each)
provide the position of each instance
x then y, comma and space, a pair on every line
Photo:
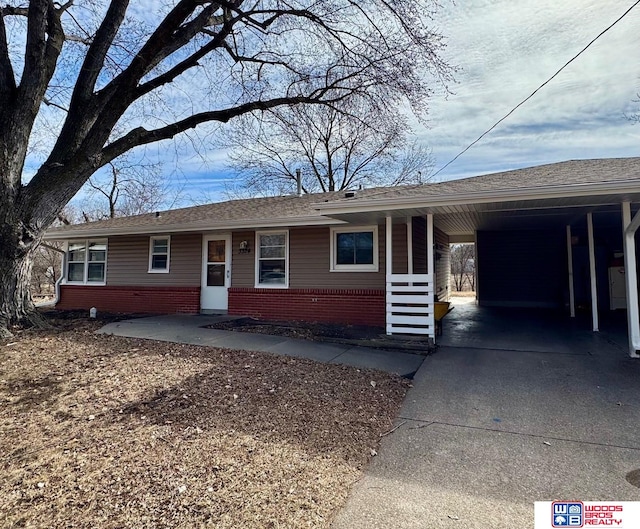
631, 277
592, 272
572, 299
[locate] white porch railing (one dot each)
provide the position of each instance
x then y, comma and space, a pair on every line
410, 308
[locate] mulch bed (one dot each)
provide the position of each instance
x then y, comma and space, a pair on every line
361, 335
110, 432
300, 329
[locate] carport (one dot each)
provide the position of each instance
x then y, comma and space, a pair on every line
546, 238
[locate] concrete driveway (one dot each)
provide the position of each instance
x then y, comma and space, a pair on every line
514, 407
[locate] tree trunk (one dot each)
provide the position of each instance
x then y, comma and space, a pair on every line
18, 245
16, 305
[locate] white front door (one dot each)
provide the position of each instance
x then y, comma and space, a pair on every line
216, 272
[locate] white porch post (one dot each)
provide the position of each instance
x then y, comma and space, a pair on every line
388, 240
388, 260
592, 272
631, 277
409, 245
430, 268
572, 301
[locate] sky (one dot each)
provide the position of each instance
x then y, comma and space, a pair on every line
504, 50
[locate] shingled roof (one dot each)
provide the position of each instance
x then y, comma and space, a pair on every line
307, 209
569, 173
252, 212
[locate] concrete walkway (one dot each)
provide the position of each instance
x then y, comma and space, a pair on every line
191, 330
511, 410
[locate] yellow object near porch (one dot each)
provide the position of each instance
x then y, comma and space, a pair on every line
441, 309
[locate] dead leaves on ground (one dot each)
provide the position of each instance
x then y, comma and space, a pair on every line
100, 431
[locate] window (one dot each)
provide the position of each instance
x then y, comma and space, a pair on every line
354, 249
272, 252
87, 262
159, 251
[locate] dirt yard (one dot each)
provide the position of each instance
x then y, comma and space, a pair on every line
106, 432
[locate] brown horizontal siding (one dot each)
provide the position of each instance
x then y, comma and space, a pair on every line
442, 264
419, 240
310, 255
399, 248
309, 260
128, 261
243, 264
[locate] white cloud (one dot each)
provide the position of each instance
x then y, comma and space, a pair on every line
506, 49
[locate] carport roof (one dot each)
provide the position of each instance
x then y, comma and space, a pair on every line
573, 178
460, 204
529, 198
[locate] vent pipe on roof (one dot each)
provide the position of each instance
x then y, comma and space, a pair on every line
299, 182
157, 214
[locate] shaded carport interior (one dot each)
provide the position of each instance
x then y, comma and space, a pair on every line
522, 254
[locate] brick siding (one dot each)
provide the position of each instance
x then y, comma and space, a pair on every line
356, 307
150, 300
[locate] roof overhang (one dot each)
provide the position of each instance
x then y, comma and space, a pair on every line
199, 227
547, 196
460, 216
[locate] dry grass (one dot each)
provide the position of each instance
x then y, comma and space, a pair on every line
102, 431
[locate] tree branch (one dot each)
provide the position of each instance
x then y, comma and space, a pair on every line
8, 11
7, 78
142, 136
97, 52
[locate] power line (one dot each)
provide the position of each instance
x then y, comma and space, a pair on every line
535, 91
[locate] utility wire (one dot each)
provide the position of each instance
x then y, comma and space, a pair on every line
535, 91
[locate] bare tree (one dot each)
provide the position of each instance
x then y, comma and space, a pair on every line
463, 267
84, 69
336, 147
635, 117
128, 187
47, 269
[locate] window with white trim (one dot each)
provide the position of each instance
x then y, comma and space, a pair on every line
272, 254
354, 249
87, 262
159, 254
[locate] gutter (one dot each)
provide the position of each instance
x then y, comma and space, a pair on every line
63, 259
205, 225
479, 197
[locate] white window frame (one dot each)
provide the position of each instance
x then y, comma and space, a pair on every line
335, 267
258, 259
85, 274
151, 254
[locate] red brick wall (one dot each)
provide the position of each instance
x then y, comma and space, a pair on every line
356, 307
151, 300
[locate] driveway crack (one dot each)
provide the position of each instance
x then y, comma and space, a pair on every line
427, 424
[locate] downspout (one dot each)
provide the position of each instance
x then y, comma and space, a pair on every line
63, 259
631, 276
